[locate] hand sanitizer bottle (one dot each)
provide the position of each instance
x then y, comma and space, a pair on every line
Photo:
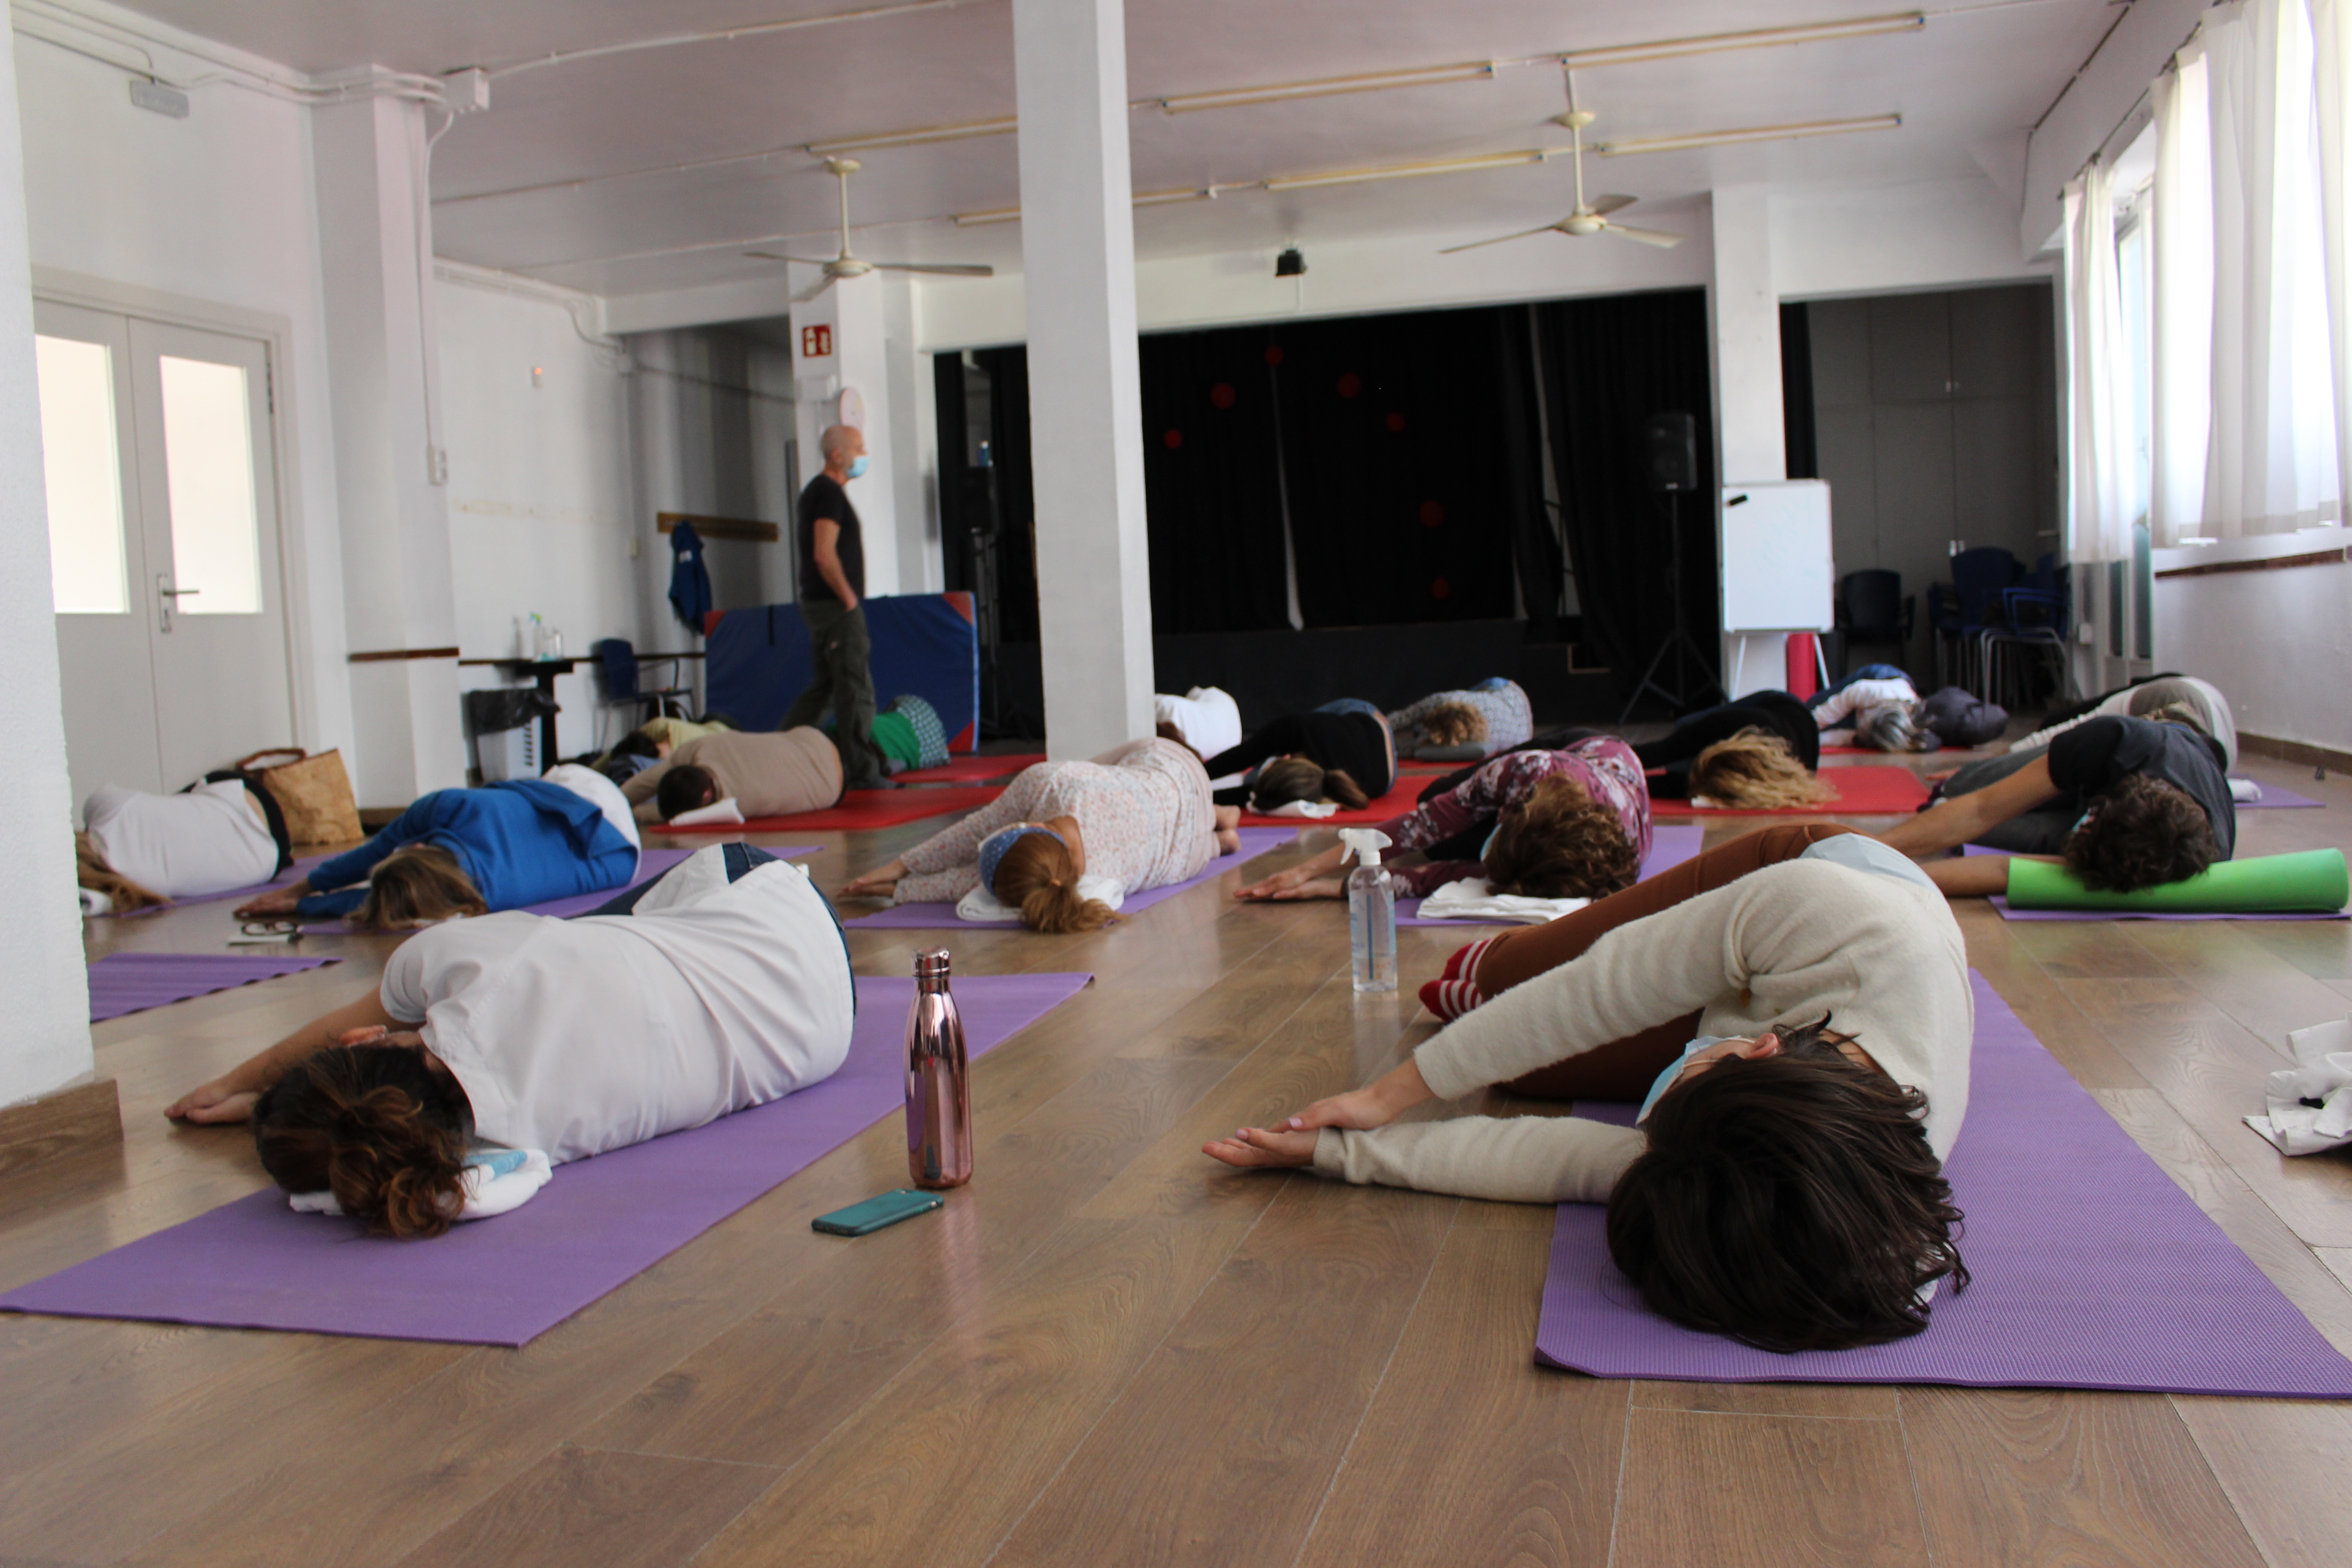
1372, 910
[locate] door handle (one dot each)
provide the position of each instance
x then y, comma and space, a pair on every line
169, 595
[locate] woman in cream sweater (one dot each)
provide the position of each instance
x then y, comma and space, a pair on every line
1784, 1182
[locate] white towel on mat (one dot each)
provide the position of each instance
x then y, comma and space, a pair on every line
496, 1181
983, 906
2311, 1104
1469, 900
1314, 808
717, 811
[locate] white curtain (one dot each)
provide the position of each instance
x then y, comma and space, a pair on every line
2099, 517
2331, 71
2271, 462
2180, 223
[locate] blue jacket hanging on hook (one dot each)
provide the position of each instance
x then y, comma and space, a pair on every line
689, 579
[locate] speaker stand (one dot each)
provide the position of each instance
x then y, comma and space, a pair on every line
1679, 645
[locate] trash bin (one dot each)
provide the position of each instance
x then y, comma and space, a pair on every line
505, 723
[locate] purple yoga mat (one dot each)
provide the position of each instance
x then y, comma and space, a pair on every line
2279, 797
1669, 847
1255, 841
257, 1263
2092, 1270
2001, 903
124, 983
2006, 913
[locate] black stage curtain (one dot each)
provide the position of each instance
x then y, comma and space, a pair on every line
1212, 482
1401, 502
1016, 495
1797, 392
1609, 364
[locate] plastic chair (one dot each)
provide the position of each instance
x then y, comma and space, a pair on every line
1959, 610
617, 662
2035, 616
1873, 609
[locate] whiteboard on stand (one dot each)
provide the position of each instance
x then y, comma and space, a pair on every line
1777, 570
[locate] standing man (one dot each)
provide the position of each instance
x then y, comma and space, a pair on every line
833, 588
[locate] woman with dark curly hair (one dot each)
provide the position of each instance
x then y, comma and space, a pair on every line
1784, 1182
723, 983
1565, 823
2125, 803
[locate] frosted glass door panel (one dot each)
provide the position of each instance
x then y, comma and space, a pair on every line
106, 613
208, 463
208, 468
81, 467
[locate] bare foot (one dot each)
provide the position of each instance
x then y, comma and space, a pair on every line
1229, 841
1255, 1146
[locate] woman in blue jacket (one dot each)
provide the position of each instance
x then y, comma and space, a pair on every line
473, 851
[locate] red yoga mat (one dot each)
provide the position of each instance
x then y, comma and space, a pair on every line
1860, 792
859, 808
972, 770
1402, 797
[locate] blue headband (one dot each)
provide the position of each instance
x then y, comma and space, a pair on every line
993, 849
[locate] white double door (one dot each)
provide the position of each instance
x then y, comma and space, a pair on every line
159, 461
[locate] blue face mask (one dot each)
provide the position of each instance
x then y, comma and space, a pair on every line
1674, 1069
857, 467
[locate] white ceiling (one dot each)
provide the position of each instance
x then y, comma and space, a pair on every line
1967, 86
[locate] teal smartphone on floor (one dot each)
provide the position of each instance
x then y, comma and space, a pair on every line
873, 1213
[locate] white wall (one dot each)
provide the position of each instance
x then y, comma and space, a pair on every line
1878, 240
216, 207
2279, 642
47, 1042
541, 496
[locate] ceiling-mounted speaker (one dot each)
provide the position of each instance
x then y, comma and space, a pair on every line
1670, 452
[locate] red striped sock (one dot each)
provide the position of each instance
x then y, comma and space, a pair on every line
1455, 991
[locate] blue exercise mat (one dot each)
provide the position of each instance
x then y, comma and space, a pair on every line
758, 661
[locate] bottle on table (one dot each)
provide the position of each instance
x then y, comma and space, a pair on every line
938, 1089
1372, 910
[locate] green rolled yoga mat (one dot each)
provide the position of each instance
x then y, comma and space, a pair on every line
2312, 882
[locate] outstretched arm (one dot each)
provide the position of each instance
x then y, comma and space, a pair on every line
1957, 819
230, 1096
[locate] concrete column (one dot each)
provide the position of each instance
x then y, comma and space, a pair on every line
46, 1043
852, 313
1749, 428
1085, 415
391, 468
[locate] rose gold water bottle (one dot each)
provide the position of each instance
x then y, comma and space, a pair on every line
938, 1094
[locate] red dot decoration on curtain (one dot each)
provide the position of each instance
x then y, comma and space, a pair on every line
1439, 588
1395, 422
1433, 513
1350, 384
1273, 354
1222, 396
1173, 439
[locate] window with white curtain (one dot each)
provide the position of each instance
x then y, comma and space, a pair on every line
2132, 264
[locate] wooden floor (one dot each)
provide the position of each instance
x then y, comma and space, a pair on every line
1108, 1351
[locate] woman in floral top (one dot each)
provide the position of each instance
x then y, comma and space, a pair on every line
1571, 823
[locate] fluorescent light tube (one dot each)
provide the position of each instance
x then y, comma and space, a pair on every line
1627, 145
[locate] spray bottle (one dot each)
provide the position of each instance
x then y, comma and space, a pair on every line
1372, 910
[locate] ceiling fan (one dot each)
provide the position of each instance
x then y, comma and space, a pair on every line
1590, 217
848, 266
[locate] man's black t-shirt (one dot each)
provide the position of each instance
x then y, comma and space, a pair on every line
2094, 757
825, 498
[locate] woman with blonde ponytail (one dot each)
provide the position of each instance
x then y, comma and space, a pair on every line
1138, 817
